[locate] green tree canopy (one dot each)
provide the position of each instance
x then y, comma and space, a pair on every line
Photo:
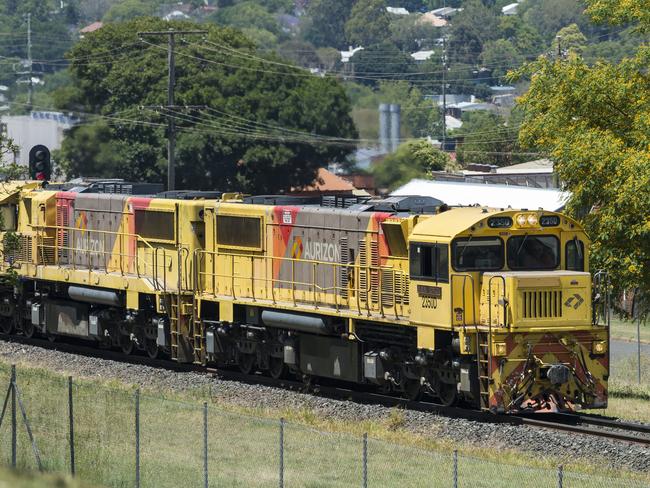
247, 14
500, 56
261, 130
594, 120
413, 159
485, 138
571, 39
368, 23
381, 62
326, 25
471, 28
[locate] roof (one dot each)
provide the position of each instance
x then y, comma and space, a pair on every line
92, 27
346, 55
397, 10
432, 19
539, 165
422, 55
510, 9
499, 196
327, 181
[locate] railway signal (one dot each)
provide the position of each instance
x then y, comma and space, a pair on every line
40, 166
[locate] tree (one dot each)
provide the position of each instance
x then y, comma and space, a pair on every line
413, 159
500, 56
380, 62
265, 128
571, 40
594, 121
471, 28
129, 9
326, 26
300, 53
248, 14
549, 16
408, 33
368, 23
485, 138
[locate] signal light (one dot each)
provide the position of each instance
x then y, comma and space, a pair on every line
40, 167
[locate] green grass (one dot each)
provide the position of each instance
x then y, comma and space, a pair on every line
629, 399
626, 330
243, 444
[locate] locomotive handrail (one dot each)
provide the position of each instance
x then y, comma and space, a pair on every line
311, 284
473, 291
106, 254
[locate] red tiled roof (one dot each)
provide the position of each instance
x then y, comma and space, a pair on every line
327, 181
92, 27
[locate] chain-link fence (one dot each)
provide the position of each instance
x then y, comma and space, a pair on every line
109, 436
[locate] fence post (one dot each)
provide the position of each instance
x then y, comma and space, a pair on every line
281, 478
560, 476
365, 460
13, 416
71, 418
137, 438
205, 444
455, 468
638, 348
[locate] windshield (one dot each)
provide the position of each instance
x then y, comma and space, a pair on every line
533, 252
478, 254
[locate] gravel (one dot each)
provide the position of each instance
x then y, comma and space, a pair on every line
540, 442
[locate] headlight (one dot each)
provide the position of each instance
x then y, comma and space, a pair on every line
527, 220
499, 349
521, 220
599, 347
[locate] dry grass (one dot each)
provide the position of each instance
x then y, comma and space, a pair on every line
243, 444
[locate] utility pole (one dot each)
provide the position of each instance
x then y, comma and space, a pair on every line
30, 85
444, 84
171, 81
559, 46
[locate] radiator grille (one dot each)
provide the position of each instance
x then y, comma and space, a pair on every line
542, 304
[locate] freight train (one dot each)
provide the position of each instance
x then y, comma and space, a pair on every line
489, 308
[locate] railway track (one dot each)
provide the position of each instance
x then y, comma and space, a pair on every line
583, 424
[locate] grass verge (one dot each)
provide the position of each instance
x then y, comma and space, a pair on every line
243, 444
626, 330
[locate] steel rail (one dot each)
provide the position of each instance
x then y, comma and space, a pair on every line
584, 424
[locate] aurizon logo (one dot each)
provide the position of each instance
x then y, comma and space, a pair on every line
82, 222
296, 250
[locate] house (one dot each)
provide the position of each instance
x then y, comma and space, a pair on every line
176, 15
326, 183
346, 55
422, 56
510, 9
535, 174
90, 28
37, 128
397, 10
446, 12
432, 19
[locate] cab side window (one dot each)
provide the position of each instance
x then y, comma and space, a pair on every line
429, 262
575, 255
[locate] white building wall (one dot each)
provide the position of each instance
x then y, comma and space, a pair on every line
27, 131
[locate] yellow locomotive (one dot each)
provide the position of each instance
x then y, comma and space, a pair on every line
490, 308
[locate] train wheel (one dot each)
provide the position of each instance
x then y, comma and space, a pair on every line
412, 389
126, 344
246, 363
7, 325
151, 346
28, 329
277, 368
447, 393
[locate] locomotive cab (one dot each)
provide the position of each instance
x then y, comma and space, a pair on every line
510, 305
